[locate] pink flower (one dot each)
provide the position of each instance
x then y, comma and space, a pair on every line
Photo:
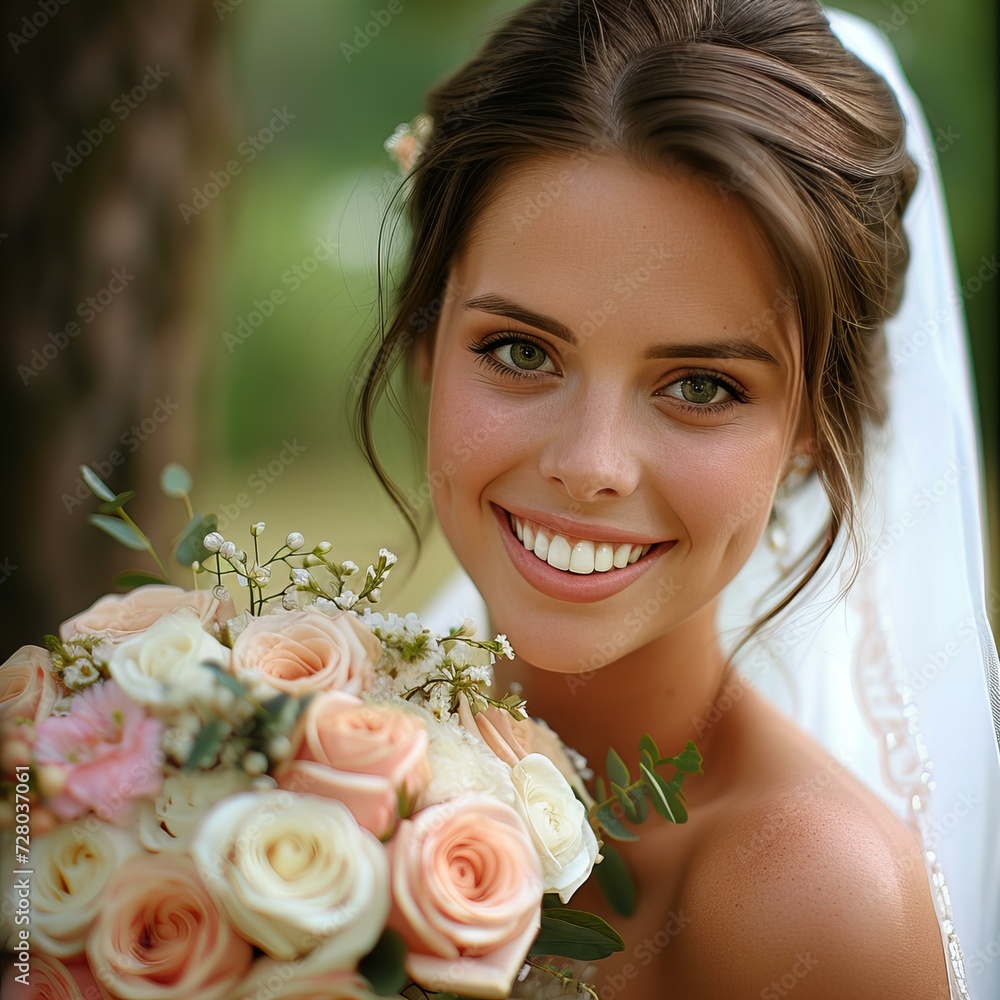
304, 652
160, 935
27, 687
50, 979
119, 616
467, 893
364, 755
108, 749
512, 740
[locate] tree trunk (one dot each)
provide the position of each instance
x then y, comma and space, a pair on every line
114, 113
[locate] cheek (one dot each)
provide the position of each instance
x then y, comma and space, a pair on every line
469, 443
723, 495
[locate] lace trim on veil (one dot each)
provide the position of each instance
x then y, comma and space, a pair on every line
892, 718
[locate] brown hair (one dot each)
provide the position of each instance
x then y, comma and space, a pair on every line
757, 95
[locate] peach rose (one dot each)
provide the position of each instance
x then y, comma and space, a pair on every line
283, 981
120, 616
50, 979
297, 876
367, 756
72, 865
467, 893
160, 935
27, 687
108, 749
305, 652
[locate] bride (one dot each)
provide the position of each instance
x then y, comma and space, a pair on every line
655, 246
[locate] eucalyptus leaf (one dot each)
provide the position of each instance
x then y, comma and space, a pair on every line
132, 578
648, 745
626, 801
207, 745
600, 788
611, 824
119, 530
96, 485
616, 768
615, 880
226, 679
664, 801
190, 546
689, 760
176, 481
112, 506
576, 934
641, 801
383, 965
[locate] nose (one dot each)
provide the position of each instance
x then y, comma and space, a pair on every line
592, 452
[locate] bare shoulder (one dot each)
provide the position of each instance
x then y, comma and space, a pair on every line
813, 887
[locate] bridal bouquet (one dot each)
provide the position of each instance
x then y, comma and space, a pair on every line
302, 799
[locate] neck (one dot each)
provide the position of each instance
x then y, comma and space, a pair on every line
667, 688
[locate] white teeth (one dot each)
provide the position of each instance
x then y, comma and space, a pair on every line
541, 548
580, 556
559, 553
604, 557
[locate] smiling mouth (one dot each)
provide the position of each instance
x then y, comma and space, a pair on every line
574, 555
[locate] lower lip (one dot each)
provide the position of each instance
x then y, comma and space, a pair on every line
576, 588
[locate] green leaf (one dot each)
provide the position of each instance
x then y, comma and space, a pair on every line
190, 546
641, 802
119, 530
576, 934
96, 485
112, 506
176, 481
132, 578
383, 965
206, 745
688, 760
617, 771
611, 824
648, 745
227, 680
664, 801
615, 880
626, 802
600, 788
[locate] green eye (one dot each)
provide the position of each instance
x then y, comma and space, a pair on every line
700, 390
526, 355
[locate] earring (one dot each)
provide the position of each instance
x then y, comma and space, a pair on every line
777, 525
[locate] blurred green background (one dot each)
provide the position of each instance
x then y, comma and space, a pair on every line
297, 298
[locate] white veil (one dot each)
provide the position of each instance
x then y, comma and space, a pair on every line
900, 682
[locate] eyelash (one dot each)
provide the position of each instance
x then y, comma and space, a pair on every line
484, 350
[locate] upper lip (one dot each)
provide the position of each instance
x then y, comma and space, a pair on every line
582, 530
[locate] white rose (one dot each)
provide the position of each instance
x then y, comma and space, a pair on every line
558, 823
72, 865
163, 667
167, 822
296, 875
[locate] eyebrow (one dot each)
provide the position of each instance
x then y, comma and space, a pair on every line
743, 348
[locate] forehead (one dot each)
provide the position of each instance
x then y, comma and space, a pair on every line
665, 253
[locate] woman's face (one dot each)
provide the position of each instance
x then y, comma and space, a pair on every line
616, 391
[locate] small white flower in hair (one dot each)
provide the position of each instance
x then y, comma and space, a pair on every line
408, 140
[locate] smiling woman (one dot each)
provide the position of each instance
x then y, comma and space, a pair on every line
665, 238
